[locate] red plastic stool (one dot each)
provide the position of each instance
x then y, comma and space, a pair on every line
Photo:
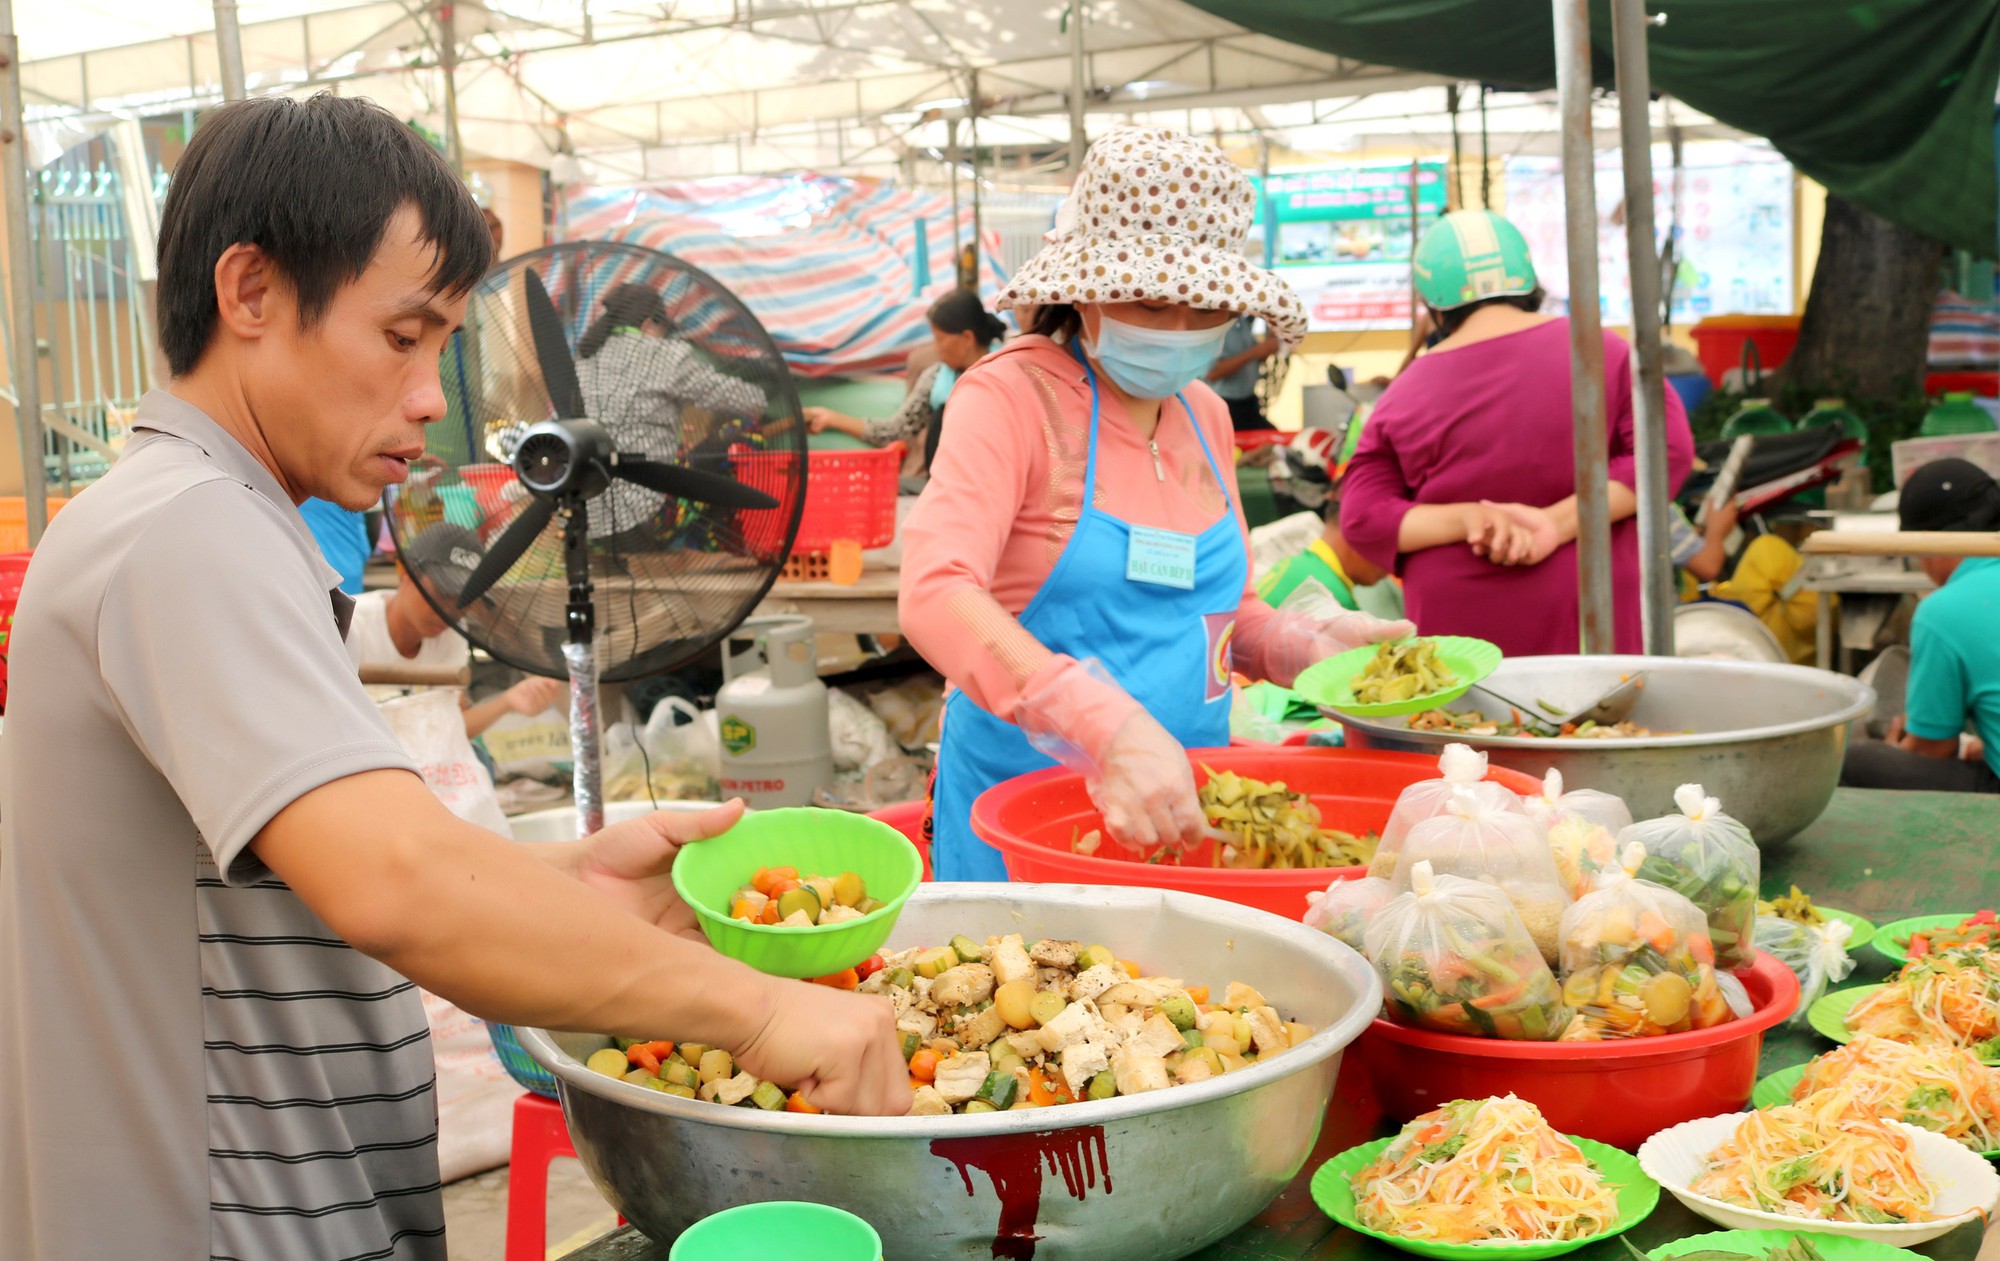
539, 1137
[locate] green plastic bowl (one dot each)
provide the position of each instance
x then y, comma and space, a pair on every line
1333, 1191
817, 842
791, 1229
1757, 1243
1330, 683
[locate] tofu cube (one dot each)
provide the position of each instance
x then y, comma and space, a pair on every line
838, 914
1267, 1031
1239, 996
1081, 1062
1193, 1070
1136, 1073
797, 919
1051, 953
927, 1102
960, 1077
1148, 991
1092, 982
921, 1023
1078, 1022
1010, 961
1156, 1037
1027, 1043
980, 1028
963, 986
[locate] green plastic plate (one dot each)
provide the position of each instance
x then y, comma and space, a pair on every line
1757, 1243
1777, 1088
1333, 1191
1330, 684
1892, 940
1829, 1013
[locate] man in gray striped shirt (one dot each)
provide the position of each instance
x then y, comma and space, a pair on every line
220, 878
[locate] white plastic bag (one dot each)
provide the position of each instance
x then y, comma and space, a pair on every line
1710, 859
1478, 839
677, 746
1816, 954
1552, 805
431, 728
1345, 908
1636, 961
1454, 957
1460, 766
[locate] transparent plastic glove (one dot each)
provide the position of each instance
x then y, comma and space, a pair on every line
1138, 776
1311, 626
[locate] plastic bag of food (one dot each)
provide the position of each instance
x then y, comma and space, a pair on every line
1478, 840
1582, 851
1816, 954
1552, 805
1711, 859
1460, 766
1454, 957
1636, 961
1345, 908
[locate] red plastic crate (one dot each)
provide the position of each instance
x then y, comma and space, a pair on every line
849, 494
13, 569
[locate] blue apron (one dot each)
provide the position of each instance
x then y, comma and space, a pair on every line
1122, 594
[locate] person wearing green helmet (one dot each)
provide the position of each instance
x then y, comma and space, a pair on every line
1464, 482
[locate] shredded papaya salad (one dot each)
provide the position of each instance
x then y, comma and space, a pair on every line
1483, 1169
1824, 1158
1940, 1088
1951, 998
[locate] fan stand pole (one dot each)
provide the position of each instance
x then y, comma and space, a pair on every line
584, 729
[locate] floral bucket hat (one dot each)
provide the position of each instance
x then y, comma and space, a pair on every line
1157, 216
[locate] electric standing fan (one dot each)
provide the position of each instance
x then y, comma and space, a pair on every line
617, 480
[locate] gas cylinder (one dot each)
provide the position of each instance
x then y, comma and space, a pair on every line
771, 714
1955, 414
1756, 416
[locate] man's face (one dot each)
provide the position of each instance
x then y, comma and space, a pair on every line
422, 616
343, 404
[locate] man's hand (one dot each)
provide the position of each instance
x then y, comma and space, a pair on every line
631, 862
536, 695
1721, 519
835, 1048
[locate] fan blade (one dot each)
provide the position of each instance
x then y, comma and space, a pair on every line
512, 544
682, 482
552, 350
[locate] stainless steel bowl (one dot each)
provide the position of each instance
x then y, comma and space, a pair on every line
1144, 1178
1765, 739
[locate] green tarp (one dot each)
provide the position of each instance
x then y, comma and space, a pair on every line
1888, 103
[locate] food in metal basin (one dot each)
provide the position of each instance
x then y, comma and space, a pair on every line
1007, 1025
1471, 722
1402, 672
1815, 1159
1484, 1169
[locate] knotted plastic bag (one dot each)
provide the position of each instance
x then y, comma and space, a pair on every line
1552, 805
1455, 957
1460, 766
1636, 960
1345, 908
1583, 826
1711, 859
1477, 839
1816, 954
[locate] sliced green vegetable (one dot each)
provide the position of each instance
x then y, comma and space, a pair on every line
999, 1090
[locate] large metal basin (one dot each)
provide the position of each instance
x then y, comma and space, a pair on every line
1765, 739
1151, 1177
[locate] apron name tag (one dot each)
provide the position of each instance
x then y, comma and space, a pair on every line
1160, 557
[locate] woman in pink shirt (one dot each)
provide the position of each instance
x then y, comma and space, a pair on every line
1484, 416
1078, 566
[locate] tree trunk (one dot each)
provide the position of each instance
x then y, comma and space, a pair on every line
1867, 320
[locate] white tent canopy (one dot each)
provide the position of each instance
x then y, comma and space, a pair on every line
696, 87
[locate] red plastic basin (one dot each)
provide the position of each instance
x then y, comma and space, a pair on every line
1034, 819
907, 817
1621, 1093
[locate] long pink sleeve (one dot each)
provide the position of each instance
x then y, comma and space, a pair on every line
1004, 498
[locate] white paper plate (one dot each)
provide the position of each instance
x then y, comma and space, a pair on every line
1966, 1184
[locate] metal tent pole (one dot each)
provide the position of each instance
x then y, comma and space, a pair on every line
978, 225
1078, 85
447, 26
229, 50
1649, 384
24, 368
1586, 332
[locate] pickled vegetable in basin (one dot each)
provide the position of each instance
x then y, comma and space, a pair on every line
1617, 1092
1036, 820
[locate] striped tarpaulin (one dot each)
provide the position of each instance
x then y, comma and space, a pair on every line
838, 270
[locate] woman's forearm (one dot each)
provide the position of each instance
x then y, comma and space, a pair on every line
1433, 525
1624, 503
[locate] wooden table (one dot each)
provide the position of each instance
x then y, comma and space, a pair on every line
1858, 856
867, 607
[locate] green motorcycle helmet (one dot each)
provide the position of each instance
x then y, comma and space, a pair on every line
1469, 256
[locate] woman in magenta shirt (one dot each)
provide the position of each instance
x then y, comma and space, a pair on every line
1464, 481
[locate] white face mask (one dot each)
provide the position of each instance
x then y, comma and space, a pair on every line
1154, 362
